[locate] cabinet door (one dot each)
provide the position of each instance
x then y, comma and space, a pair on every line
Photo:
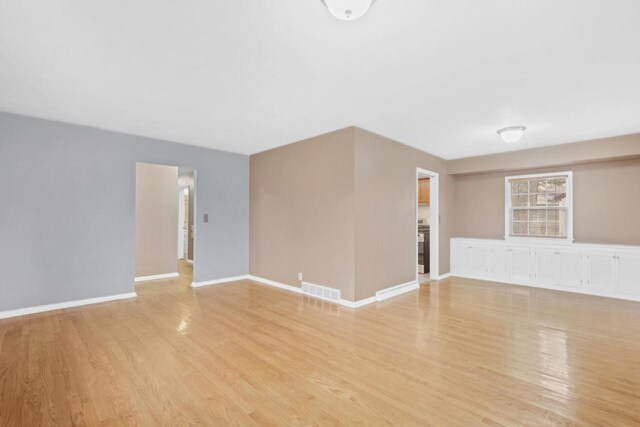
629, 274
519, 264
499, 263
460, 259
570, 267
477, 261
423, 191
601, 271
545, 267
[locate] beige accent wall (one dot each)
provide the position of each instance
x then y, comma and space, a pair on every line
606, 199
156, 219
385, 211
341, 209
592, 151
301, 212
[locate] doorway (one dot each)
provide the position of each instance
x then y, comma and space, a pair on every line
183, 223
427, 225
165, 229
186, 209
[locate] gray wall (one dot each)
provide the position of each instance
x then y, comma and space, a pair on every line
67, 223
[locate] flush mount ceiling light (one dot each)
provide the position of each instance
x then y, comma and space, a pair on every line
348, 10
512, 133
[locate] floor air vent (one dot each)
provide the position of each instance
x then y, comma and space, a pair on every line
322, 292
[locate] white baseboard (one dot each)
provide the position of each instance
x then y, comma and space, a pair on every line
384, 293
393, 291
527, 284
275, 284
358, 304
61, 305
344, 302
219, 281
443, 276
156, 277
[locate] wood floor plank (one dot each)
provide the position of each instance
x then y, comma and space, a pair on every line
457, 352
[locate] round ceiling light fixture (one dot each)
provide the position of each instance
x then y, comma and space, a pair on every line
348, 10
512, 133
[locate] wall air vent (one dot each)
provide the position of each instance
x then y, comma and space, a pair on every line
322, 292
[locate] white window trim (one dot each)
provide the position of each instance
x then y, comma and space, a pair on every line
532, 239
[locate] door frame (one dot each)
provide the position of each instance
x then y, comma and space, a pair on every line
434, 221
193, 230
183, 214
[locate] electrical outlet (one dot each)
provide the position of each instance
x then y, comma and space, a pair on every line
205, 218
300, 276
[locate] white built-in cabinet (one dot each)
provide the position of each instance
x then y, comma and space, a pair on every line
608, 270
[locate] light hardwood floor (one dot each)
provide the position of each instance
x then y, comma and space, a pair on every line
458, 352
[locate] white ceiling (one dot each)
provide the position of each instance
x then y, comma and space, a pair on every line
249, 75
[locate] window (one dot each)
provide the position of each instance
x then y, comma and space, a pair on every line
539, 206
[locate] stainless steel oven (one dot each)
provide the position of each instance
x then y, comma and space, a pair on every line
423, 248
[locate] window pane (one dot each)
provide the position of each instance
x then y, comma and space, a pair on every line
559, 199
521, 214
557, 185
537, 228
553, 229
519, 187
520, 228
519, 201
563, 222
539, 207
538, 215
538, 199
537, 185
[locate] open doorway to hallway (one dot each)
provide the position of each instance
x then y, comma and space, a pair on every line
165, 228
427, 217
186, 214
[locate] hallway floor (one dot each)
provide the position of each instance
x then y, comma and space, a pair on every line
424, 278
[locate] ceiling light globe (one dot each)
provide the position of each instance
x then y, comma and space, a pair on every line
512, 133
348, 10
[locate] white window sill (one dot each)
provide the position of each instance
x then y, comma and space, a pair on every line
539, 240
